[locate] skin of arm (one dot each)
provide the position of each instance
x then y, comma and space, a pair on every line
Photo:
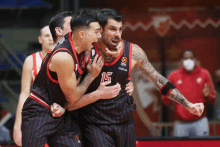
140, 60
103, 92
25, 91
62, 63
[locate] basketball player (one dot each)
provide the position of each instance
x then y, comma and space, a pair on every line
57, 82
30, 69
60, 25
109, 123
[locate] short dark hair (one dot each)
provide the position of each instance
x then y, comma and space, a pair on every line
58, 21
83, 19
188, 50
108, 13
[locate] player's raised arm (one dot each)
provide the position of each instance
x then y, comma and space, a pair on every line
140, 60
62, 63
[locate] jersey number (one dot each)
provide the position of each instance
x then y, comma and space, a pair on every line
106, 76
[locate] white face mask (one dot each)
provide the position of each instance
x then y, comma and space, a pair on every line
189, 64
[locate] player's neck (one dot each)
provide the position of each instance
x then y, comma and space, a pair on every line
44, 52
58, 39
102, 50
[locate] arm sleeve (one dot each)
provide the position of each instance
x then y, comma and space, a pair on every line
166, 101
212, 95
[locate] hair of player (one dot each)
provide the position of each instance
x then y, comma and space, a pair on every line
108, 13
41, 30
188, 50
83, 20
58, 21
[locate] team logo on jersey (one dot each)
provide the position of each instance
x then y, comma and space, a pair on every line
179, 81
124, 59
199, 80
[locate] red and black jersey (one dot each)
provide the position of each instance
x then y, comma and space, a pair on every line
46, 85
119, 109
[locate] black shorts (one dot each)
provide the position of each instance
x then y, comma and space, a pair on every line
39, 127
118, 135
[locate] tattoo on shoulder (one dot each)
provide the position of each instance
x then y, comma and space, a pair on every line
138, 53
146, 67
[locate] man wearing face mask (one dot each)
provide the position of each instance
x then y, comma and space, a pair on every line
196, 85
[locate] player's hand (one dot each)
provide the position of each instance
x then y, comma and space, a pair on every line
129, 88
108, 92
57, 110
17, 135
94, 67
117, 51
206, 90
196, 108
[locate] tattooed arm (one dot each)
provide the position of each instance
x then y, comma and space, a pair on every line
140, 60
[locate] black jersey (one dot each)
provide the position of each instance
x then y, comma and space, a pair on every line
46, 85
119, 109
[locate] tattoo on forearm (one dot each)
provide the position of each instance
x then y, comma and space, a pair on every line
175, 95
152, 75
146, 68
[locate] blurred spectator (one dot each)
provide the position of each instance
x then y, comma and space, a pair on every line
4, 132
196, 85
217, 85
217, 88
30, 69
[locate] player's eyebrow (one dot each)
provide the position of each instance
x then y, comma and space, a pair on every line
97, 29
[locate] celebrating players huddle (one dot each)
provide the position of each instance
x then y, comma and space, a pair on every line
88, 73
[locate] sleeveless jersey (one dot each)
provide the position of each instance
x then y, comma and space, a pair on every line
46, 85
37, 60
119, 109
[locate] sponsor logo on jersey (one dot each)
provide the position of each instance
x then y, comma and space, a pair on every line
61, 40
121, 68
124, 61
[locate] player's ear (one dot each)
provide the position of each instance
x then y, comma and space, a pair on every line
101, 29
82, 34
40, 39
58, 31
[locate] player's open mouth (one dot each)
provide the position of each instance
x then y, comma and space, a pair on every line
115, 42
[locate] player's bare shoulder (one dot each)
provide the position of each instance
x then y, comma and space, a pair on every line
139, 57
28, 63
61, 60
